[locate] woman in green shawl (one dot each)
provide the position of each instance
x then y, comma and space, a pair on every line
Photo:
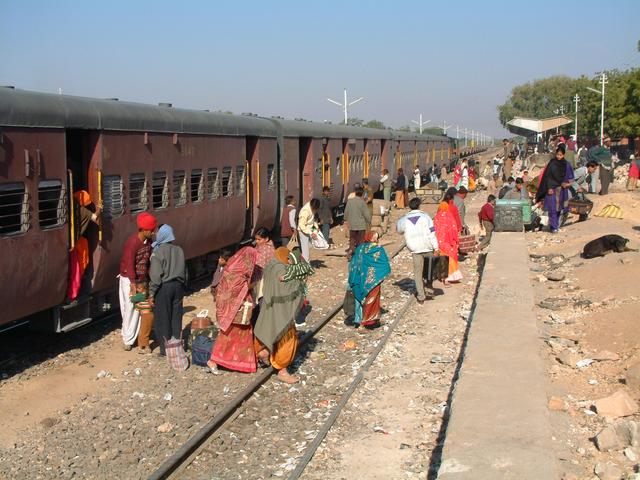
275, 332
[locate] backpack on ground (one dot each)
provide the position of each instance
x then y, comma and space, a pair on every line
201, 347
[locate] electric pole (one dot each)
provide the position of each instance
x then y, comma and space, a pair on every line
421, 123
345, 105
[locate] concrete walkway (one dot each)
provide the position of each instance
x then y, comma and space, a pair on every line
499, 425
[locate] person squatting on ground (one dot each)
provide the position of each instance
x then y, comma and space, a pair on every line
147, 225
582, 176
553, 191
276, 339
368, 268
167, 275
358, 217
420, 238
485, 217
307, 226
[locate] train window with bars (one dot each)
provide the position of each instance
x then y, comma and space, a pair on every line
197, 186
138, 201
51, 204
271, 177
227, 184
14, 209
338, 172
213, 184
160, 187
179, 188
240, 179
112, 196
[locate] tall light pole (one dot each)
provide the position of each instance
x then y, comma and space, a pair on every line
345, 105
603, 81
421, 123
576, 100
445, 127
465, 136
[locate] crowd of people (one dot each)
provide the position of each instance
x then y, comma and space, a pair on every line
260, 290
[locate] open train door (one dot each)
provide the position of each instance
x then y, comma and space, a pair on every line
260, 184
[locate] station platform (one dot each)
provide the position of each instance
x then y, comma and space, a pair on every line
499, 425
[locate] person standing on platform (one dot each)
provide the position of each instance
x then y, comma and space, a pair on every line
447, 227
458, 200
288, 220
420, 238
401, 189
325, 214
147, 225
143, 262
307, 226
358, 216
601, 154
276, 338
485, 217
167, 276
367, 196
553, 191
416, 177
507, 148
385, 184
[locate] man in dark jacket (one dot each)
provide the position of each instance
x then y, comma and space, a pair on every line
325, 214
601, 154
358, 216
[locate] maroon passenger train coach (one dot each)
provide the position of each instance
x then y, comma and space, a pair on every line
215, 178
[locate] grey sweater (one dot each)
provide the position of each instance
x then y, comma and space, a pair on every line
356, 214
167, 263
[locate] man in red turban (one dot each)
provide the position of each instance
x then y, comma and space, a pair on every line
132, 273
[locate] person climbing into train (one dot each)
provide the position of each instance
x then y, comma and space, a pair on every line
307, 226
167, 276
80, 256
276, 338
147, 225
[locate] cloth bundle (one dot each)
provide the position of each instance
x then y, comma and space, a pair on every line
610, 211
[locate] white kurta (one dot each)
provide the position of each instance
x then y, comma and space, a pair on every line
130, 316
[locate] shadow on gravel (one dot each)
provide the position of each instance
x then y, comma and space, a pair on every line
406, 285
318, 264
436, 455
636, 228
34, 348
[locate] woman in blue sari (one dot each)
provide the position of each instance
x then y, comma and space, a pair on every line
368, 268
553, 190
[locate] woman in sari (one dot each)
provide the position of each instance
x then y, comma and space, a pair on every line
276, 338
553, 190
447, 231
368, 268
234, 347
264, 254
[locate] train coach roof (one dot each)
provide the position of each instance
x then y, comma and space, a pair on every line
22, 108
299, 128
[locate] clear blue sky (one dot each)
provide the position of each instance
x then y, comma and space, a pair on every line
453, 60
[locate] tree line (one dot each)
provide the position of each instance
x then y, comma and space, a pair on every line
541, 98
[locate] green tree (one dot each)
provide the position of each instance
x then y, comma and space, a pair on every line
353, 122
404, 128
374, 124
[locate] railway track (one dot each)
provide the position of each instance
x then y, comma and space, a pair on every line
194, 458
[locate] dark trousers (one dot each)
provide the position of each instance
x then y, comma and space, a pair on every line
168, 312
356, 237
325, 228
606, 176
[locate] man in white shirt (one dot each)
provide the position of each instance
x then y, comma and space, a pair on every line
420, 237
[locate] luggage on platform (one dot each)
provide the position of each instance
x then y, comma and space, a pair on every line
508, 216
176, 355
467, 244
435, 268
349, 304
581, 206
201, 348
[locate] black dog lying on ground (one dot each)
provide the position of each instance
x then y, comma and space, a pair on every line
604, 244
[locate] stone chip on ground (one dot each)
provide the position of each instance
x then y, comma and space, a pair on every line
619, 404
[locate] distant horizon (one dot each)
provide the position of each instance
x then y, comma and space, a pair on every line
286, 58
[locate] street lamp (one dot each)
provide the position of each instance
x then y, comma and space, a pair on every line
345, 105
421, 123
576, 100
603, 81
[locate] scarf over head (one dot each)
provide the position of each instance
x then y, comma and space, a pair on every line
164, 235
281, 303
233, 289
554, 174
82, 197
369, 266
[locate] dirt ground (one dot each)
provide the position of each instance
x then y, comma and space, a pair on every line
598, 321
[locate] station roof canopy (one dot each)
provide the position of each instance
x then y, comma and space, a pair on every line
527, 126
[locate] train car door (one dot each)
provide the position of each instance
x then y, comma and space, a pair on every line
261, 184
84, 160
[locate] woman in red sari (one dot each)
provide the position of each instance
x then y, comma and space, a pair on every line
234, 348
447, 232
